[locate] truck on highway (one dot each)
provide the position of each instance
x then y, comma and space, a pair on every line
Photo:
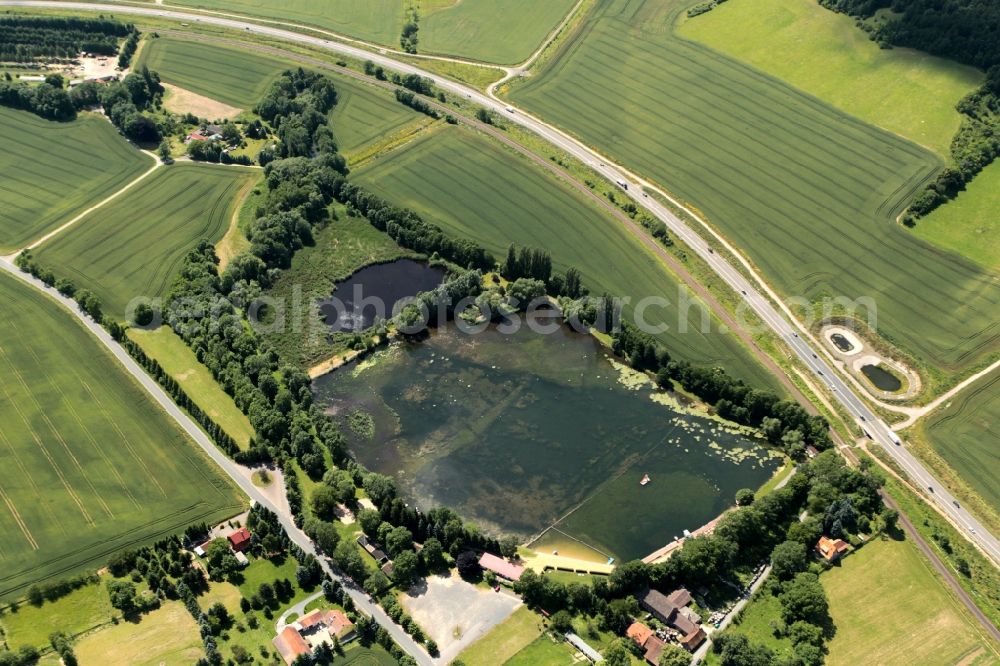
895, 438
622, 184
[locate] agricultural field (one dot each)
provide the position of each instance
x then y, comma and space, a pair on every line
505, 32
969, 224
93, 465
801, 186
379, 21
965, 433
471, 187
890, 608
134, 246
168, 635
54, 170
364, 115
228, 75
902, 90
177, 359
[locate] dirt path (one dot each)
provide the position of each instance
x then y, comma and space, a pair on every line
229, 245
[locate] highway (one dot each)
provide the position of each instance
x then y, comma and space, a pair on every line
298, 537
797, 339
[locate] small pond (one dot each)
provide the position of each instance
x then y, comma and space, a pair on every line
525, 432
843, 344
882, 378
373, 291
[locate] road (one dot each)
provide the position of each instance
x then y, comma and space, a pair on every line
793, 334
298, 537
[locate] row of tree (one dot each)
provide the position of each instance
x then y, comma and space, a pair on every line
30, 38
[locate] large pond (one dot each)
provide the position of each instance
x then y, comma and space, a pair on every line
372, 292
531, 433
882, 378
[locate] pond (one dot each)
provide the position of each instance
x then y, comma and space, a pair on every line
882, 378
526, 432
843, 344
372, 292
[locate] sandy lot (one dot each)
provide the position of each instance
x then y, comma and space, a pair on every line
180, 100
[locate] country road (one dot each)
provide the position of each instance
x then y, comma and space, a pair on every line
778, 318
224, 462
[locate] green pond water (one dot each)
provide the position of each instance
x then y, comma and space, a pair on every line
526, 432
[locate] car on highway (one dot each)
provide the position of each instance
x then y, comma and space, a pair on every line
957, 505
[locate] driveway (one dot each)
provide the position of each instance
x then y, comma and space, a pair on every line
455, 613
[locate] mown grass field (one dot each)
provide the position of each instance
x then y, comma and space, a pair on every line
168, 635
809, 193
966, 433
92, 465
476, 189
228, 75
52, 171
904, 91
969, 224
177, 359
505, 32
80, 610
134, 246
505, 640
378, 21
889, 608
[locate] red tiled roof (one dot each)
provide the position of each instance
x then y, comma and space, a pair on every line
692, 640
290, 644
831, 549
639, 633
654, 648
501, 567
240, 538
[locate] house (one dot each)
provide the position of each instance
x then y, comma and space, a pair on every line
373, 549
501, 567
672, 610
831, 550
311, 630
206, 133
644, 637
239, 540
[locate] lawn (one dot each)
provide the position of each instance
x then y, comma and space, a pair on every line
228, 75
904, 91
965, 433
889, 608
134, 246
378, 21
544, 651
53, 171
506, 32
506, 640
177, 359
808, 192
92, 464
75, 613
474, 188
168, 635
969, 224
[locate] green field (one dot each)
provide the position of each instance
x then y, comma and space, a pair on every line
228, 75
134, 246
364, 114
77, 612
965, 433
808, 192
92, 464
378, 21
969, 224
890, 608
52, 171
505, 640
474, 188
177, 359
506, 32
904, 91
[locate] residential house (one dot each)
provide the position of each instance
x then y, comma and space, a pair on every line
644, 637
240, 540
831, 550
311, 630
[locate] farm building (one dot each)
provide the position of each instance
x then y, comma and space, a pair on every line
501, 567
831, 550
312, 629
590, 653
672, 610
373, 549
644, 637
239, 540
